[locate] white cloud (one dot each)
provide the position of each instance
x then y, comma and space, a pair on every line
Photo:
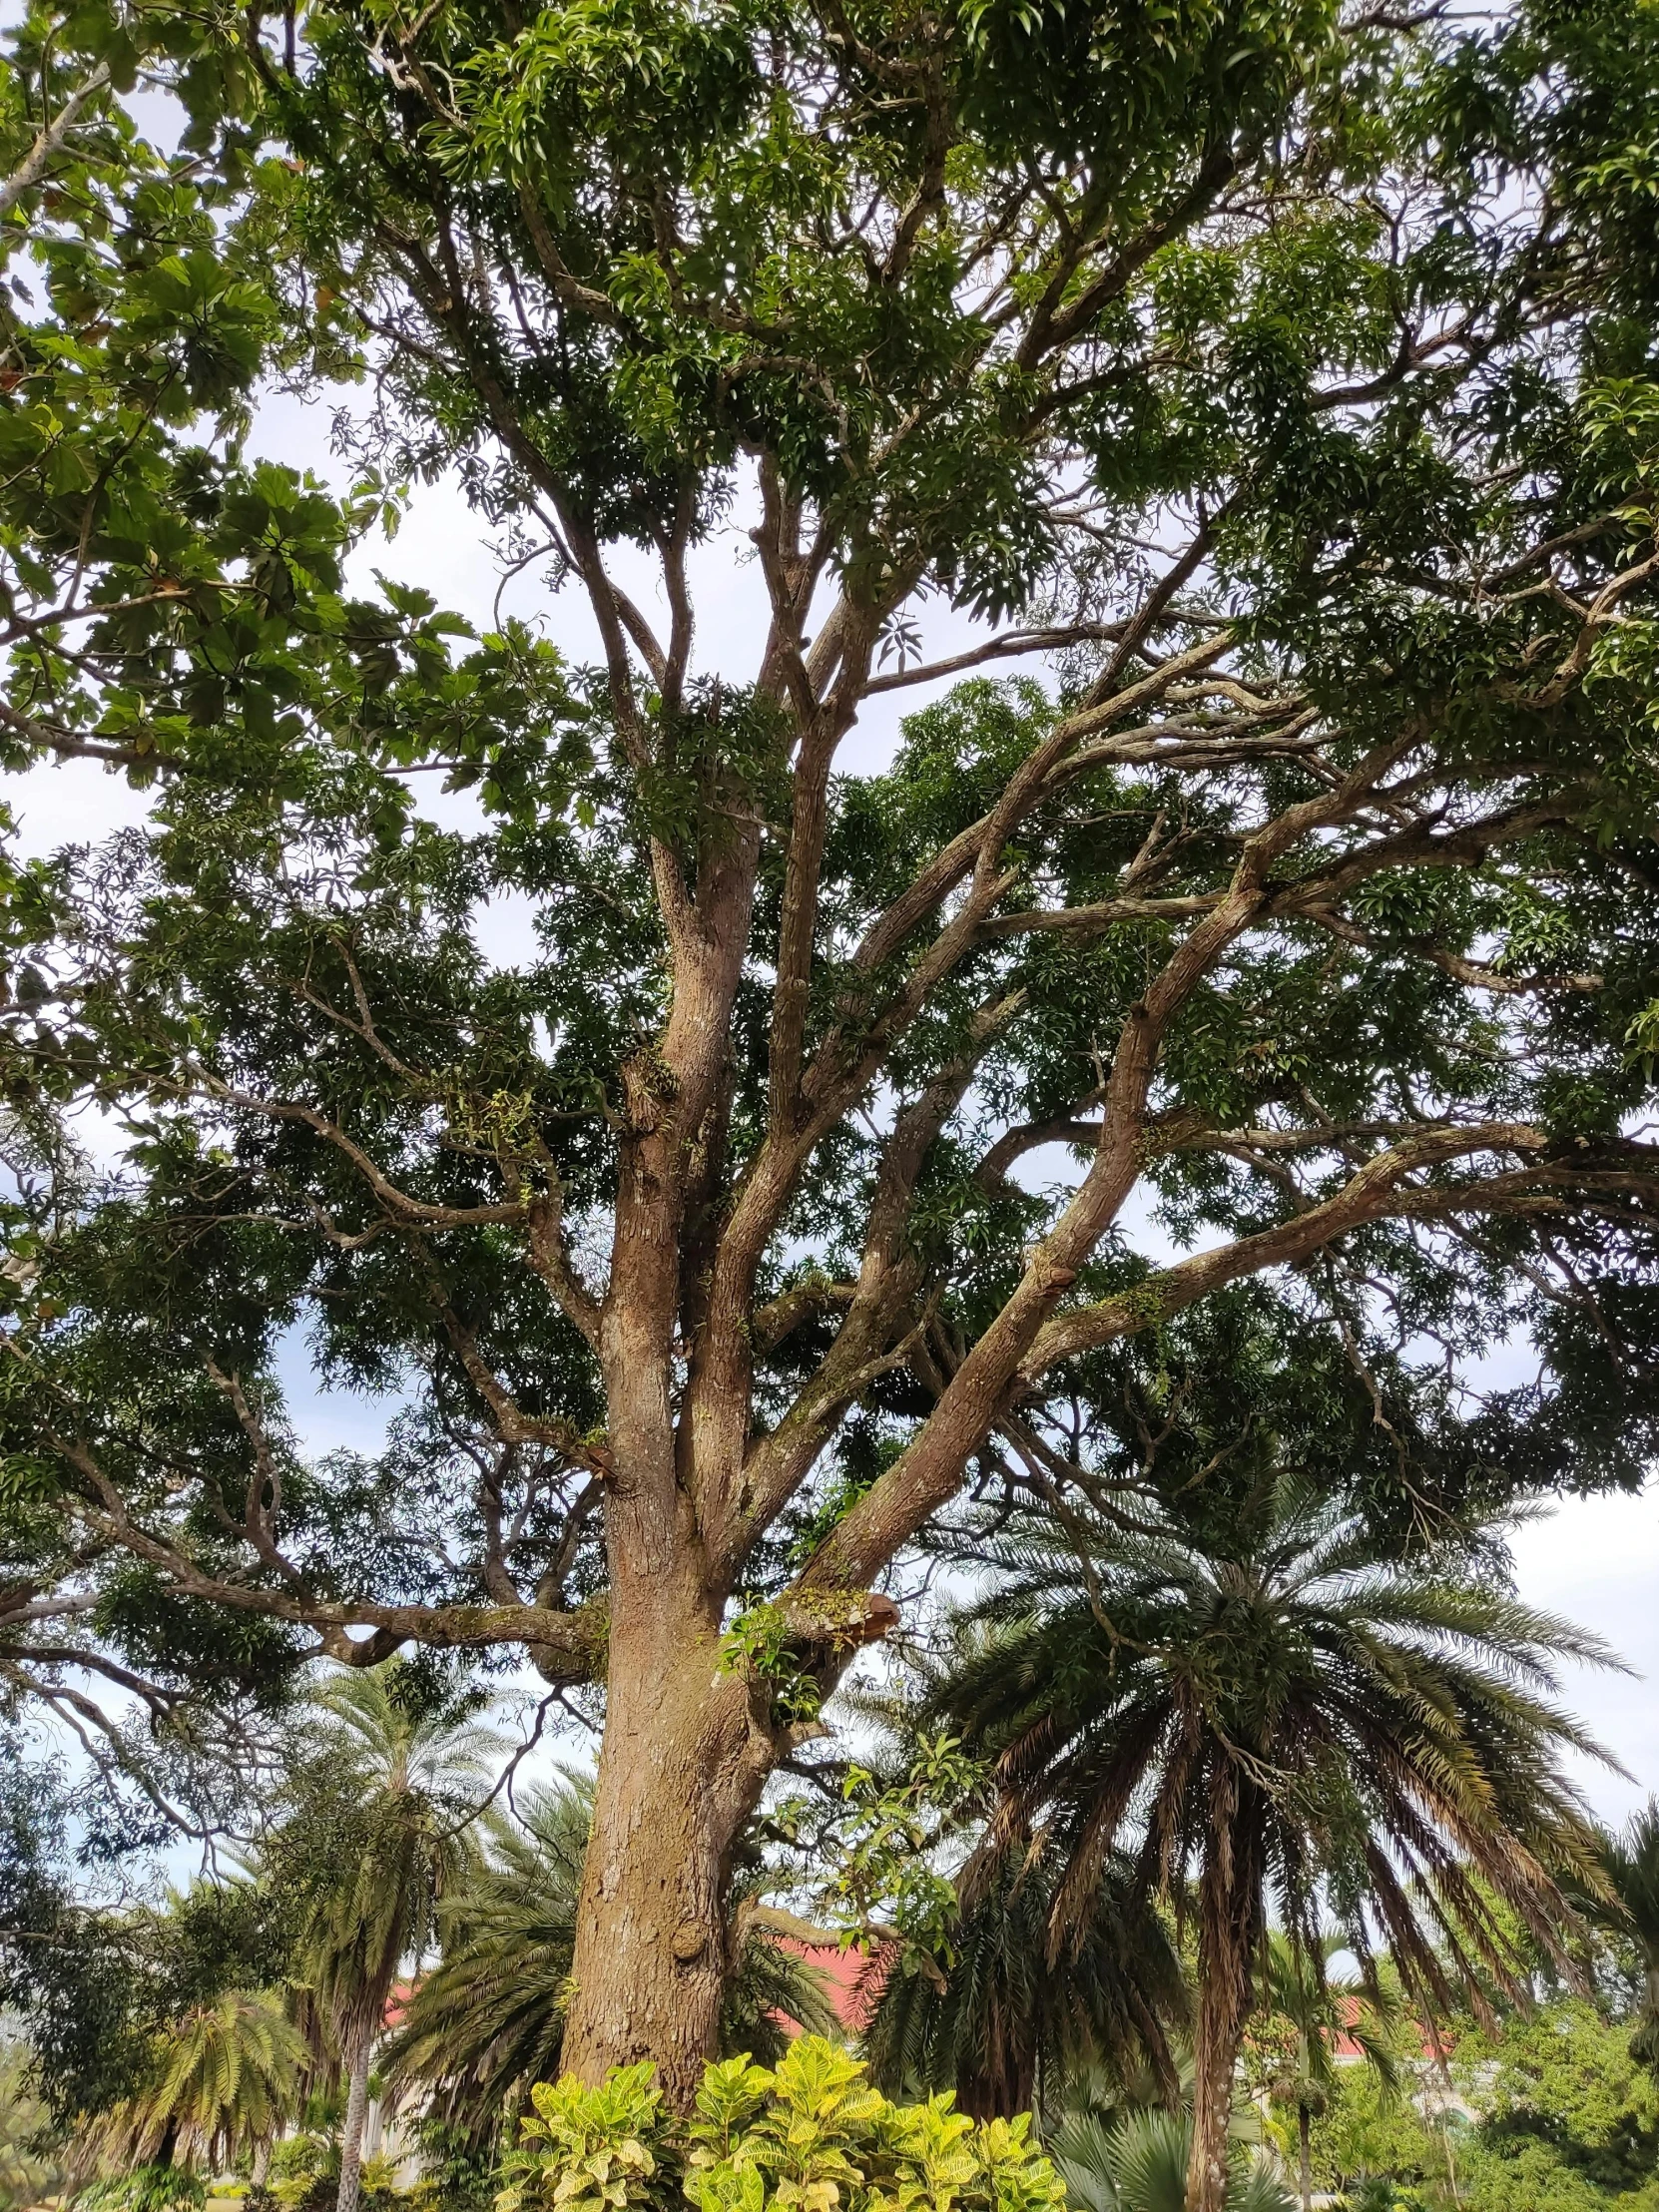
1596, 1559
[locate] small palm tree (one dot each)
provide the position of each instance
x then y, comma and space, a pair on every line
1254, 1692
1007, 2023
1140, 2165
222, 2080
1631, 1865
487, 2024
1295, 1985
391, 1803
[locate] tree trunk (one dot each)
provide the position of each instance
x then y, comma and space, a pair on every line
685, 1749
1215, 2052
1304, 2127
358, 2055
1229, 1912
682, 1765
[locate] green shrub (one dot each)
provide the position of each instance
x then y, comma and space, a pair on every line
806, 2135
305, 2171
145, 2189
458, 2173
1571, 2121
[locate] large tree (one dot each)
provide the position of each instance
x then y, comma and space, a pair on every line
1285, 373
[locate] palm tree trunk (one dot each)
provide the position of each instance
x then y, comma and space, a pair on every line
356, 2112
1216, 2051
1229, 1918
1304, 2127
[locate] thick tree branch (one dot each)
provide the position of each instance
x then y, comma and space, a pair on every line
576, 1637
928, 1471
51, 141
1381, 1190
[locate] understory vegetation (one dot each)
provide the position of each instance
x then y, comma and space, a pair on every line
207, 2043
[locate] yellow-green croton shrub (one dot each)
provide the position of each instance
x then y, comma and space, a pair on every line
808, 2135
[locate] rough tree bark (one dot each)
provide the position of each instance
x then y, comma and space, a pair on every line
358, 2055
675, 1781
1230, 1912
678, 1771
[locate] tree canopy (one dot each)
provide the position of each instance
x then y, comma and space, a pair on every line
1280, 380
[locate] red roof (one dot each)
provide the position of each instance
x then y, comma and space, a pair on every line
853, 1979
1343, 2045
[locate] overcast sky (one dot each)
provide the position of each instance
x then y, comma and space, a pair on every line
1595, 1560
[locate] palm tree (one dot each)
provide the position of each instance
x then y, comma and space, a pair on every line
1251, 1688
485, 2024
1005, 2024
388, 1808
1295, 1985
1631, 1865
221, 2081
1140, 2165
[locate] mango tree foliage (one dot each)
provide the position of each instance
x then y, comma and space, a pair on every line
1278, 381
1567, 2115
